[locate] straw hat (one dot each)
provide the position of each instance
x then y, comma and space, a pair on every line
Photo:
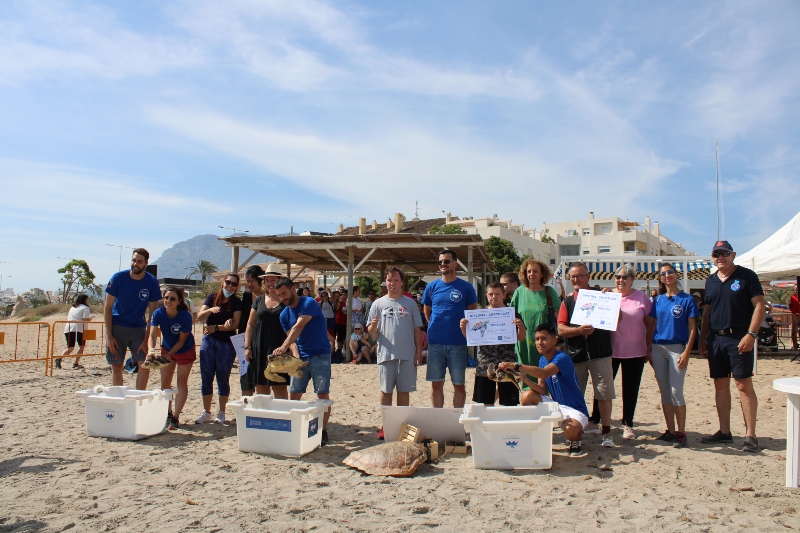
273, 269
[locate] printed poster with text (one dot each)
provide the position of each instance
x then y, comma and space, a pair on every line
600, 310
490, 326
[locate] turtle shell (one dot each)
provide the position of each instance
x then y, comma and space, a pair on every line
397, 459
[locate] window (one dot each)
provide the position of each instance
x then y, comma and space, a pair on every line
586, 251
552, 261
587, 231
602, 229
603, 249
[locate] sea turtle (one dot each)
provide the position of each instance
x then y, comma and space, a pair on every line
493, 373
398, 459
156, 362
283, 363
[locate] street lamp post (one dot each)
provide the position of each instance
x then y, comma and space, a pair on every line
120, 252
235, 250
1, 281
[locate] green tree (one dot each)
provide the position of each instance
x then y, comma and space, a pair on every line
366, 284
75, 278
447, 229
204, 269
779, 296
503, 254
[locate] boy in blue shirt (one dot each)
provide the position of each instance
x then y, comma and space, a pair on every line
556, 368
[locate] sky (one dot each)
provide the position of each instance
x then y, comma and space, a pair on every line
146, 123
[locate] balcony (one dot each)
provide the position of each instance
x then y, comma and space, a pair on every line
568, 240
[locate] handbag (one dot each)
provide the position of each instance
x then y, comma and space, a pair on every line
551, 315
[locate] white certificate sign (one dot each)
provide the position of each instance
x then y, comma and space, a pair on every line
600, 310
490, 326
238, 346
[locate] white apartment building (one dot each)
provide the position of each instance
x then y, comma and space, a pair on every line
612, 236
524, 241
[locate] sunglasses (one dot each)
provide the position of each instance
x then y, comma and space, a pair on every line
666, 273
170, 299
358, 329
231, 283
720, 254
578, 276
445, 261
620, 277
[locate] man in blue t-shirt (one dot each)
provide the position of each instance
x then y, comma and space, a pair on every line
445, 301
129, 294
304, 324
556, 368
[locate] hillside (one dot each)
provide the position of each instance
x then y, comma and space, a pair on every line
175, 261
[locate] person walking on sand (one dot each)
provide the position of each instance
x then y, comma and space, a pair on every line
129, 294
445, 301
733, 312
676, 315
304, 324
395, 323
177, 345
73, 333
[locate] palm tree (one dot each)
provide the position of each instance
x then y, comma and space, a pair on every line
204, 269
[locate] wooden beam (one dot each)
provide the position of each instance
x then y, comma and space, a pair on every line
247, 261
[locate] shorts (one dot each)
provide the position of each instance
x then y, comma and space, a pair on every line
185, 358
602, 372
70, 336
443, 357
318, 370
568, 412
397, 374
127, 339
724, 359
485, 392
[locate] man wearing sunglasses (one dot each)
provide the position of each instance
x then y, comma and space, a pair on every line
129, 294
445, 301
733, 312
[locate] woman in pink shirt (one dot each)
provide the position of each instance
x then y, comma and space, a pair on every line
631, 343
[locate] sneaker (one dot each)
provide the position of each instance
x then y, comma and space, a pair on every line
204, 418
608, 440
750, 445
718, 437
173, 424
668, 436
324, 437
575, 449
680, 440
380, 434
58, 363
220, 418
627, 433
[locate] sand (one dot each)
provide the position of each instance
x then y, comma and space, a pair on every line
53, 477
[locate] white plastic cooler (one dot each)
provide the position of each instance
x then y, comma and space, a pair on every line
517, 437
284, 427
125, 413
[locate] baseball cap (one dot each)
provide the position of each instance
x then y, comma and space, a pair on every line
722, 245
358, 325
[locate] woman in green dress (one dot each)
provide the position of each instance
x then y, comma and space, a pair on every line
530, 300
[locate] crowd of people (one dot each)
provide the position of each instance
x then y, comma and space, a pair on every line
553, 356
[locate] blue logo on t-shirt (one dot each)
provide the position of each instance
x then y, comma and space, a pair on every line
455, 295
144, 294
735, 285
677, 310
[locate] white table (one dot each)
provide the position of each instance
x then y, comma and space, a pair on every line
791, 386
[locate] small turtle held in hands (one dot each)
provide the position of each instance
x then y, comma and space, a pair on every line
283, 363
156, 362
398, 459
494, 374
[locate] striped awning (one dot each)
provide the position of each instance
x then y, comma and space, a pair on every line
646, 270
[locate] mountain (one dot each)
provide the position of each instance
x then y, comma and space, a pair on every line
176, 261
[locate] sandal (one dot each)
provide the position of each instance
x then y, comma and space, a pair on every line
76, 366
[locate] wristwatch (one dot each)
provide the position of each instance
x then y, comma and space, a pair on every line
753, 334
516, 368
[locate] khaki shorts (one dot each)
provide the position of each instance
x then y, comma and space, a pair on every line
602, 377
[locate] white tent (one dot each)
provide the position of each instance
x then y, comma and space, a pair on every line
778, 257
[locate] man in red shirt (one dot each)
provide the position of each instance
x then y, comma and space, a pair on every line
794, 307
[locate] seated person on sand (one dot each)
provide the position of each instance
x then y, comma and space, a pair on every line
556, 368
358, 345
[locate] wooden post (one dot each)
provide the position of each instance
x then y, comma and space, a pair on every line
288, 269
485, 285
235, 259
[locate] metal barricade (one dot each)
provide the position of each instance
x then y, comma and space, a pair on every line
22, 342
93, 336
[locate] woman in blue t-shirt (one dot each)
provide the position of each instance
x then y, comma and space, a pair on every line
675, 313
177, 344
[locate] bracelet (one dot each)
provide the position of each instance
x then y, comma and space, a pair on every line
516, 368
247, 348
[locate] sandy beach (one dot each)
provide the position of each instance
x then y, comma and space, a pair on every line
54, 477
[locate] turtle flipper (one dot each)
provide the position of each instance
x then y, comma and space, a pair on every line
277, 378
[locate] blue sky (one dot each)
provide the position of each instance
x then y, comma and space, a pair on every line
146, 123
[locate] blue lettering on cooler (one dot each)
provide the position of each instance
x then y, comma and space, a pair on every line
271, 424
313, 427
